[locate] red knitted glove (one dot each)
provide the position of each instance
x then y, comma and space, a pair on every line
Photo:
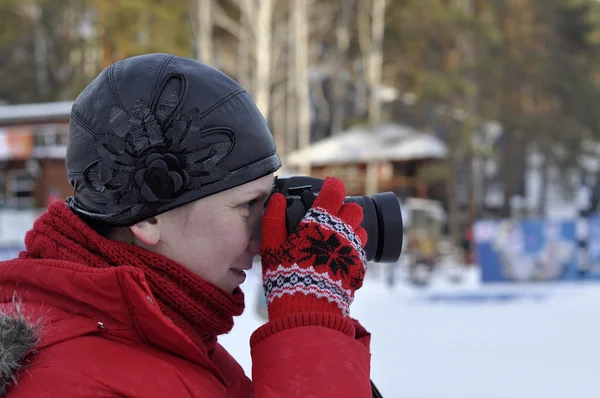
320, 266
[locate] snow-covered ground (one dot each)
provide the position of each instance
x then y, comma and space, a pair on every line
468, 340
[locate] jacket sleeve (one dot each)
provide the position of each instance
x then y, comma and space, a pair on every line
311, 355
63, 382
55, 382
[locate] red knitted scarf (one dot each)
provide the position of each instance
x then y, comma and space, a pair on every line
201, 309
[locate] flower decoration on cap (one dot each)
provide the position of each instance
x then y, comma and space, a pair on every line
158, 154
160, 177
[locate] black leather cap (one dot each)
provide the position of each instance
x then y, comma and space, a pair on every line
156, 131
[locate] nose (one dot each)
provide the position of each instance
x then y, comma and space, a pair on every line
254, 246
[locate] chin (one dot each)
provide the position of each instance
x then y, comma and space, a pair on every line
230, 286
233, 290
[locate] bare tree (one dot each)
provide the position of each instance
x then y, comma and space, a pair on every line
204, 30
291, 102
282, 114
34, 13
371, 22
340, 78
262, 15
245, 56
375, 59
56, 41
300, 18
254, 30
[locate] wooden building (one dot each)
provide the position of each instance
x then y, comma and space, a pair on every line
33, 142
399, 151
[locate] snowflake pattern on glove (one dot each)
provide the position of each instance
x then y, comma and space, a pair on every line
324, 259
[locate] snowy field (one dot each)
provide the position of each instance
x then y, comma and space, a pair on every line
468, 340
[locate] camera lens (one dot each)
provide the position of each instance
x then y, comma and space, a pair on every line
391, 230
382, 216
383, 223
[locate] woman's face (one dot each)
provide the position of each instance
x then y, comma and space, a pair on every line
216, 237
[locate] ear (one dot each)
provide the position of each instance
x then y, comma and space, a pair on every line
147, 231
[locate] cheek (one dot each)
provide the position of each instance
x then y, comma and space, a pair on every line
232, 241
224, 241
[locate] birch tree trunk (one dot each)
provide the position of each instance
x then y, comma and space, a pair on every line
375, 60
263, 13
40, 51
283, 116
291, 101
467, 46
204, 27
342, 35
373, 65
245, 60
300, 18
279, 90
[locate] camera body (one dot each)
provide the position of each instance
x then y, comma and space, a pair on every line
382, 216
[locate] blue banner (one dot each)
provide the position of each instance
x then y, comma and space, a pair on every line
526, 250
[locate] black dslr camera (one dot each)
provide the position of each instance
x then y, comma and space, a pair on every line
382, 216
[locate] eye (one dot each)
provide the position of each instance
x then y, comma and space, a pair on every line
250, 204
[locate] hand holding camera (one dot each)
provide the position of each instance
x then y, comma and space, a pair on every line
382, 216
319, 266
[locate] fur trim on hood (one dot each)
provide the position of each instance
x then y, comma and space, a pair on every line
18, 338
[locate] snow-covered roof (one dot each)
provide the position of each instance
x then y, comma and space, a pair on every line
35, 113
50, 152
387, 142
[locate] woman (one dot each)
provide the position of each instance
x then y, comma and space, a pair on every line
124, 289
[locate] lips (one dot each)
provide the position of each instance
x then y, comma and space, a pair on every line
242, 269
240, 273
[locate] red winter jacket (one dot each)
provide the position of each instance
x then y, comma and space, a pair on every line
95, 332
